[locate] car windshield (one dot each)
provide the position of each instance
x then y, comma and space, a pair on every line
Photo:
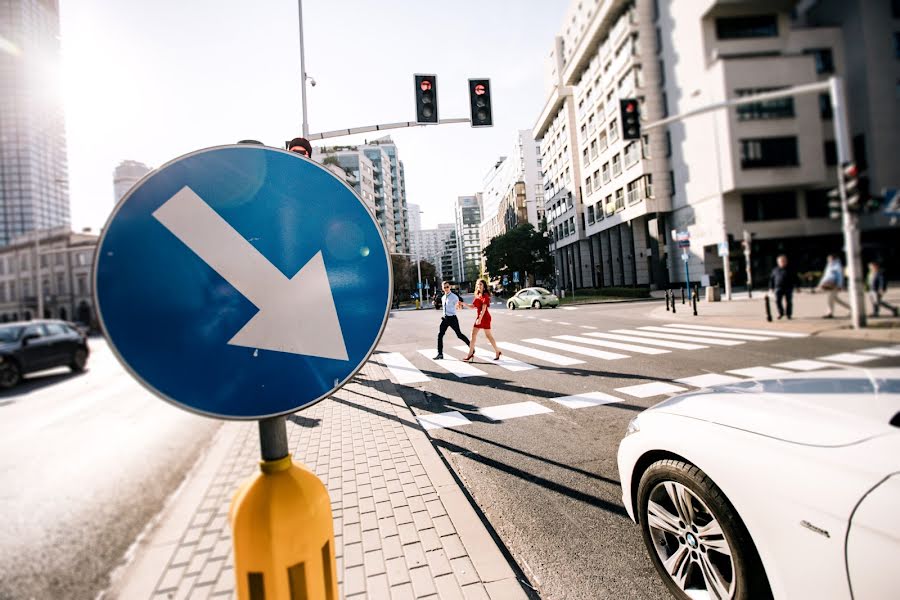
542, 291
9, 334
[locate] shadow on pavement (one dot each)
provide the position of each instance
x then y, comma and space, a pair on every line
37, 381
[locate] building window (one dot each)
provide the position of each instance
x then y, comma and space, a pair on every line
897, 44
606, 176
632, 191
620, 199
616, 165
817, 203
631, 154
760, 153
590, 214
668, 143
823, 58
598, 211
782, 108
593, 148
770, 206
830, 153
825, 111
585, 157
610, 207
859, 152
735, 28
602, 140
645, 146
672, 183
587, 186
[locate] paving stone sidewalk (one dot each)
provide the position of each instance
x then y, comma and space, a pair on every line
403, 527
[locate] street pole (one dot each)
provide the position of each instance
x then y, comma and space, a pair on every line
747, 251
727, 258
305, 124
687, 273
39, 292
419, 291
848, 218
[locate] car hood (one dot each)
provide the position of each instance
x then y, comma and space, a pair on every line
828, 408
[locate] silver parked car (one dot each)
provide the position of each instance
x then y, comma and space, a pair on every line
533, 297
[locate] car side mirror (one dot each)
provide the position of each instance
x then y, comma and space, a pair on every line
28, 337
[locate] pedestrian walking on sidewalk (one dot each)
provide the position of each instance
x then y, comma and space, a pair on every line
782, 282
448, 319
832, 282
483, 318
877, 285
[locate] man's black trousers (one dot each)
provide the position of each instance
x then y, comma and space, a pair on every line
782, 298
453, 323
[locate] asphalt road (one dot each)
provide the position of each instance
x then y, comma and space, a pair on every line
86, 461
548, 483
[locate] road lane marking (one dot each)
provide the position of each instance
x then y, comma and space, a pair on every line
564, 323
646, 390
576, 349
681, 338
787, 334
547, 320
758, 372
641, 340
510, 364
850, 358
453, 418
404, 372
457, 367
586, 400
616, 345
712, 334
803, 365
514, 410
587, 327
882, 351
556, 359
708, 380
569, 308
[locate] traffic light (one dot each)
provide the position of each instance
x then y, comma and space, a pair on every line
849, 173
480, 102
834, 204
426, 99
631, 119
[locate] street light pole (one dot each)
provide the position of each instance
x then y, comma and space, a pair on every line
305, 124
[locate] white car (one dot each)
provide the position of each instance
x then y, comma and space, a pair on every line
786, 488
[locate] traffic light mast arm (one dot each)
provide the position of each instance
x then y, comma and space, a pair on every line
399, 125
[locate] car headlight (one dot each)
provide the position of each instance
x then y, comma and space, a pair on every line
633, 427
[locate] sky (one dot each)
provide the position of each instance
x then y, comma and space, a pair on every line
151, 81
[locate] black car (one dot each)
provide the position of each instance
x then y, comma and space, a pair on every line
30, 346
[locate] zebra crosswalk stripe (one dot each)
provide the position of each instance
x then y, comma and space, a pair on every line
586, 400
549, 357
849, 358
457, 367
803, 365
648, 390
882, 351
510, 364
642, 340
576, 349
608, 344
587, 327
514, 410
404, 372
786, 334
711, 334
454, 418
708, 380
759, 372
680, 338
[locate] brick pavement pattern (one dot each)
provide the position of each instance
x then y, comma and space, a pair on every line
393, 536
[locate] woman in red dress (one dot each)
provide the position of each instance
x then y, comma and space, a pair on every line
483, 320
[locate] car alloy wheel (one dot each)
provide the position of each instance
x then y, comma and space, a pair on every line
79, 359
697, 541
536, 304
10, 374
511, 305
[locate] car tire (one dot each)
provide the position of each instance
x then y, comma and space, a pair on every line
536, 304
511, 305
702, 542
10, 374
79, 360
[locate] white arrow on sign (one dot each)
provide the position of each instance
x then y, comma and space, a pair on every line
295, 315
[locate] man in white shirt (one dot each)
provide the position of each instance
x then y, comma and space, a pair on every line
448, 319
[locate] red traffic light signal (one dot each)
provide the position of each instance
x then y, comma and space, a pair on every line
480, 102
629, 112
426, 99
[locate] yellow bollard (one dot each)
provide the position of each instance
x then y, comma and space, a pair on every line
283, 535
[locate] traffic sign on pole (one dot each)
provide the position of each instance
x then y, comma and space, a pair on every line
242, 282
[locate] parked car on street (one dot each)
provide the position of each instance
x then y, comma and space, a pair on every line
532, 297
29, 346
785, 488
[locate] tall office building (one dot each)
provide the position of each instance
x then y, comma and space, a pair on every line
468, 247
34, 184
764, 168
128, 173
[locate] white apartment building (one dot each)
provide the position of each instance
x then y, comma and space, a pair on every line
55, 264
468, 246
764, 168
126, 174
428, 244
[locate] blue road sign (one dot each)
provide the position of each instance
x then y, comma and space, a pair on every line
892, 202
505, 280
515, 277
242, 282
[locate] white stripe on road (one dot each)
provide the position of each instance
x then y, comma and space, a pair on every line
587, 327
453, 418
787, 334
564, 323
882, 351
457, 367
641, 340
708, 380
556, 359
850, 358
404, 372
758, 372
646, 390
680, 338
586, 400
607, 344
712, 334
547, 320
510, 364
515, 410
576, 349
530, 317
569, 308
803, 365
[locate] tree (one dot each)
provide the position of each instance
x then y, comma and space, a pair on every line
522, 249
